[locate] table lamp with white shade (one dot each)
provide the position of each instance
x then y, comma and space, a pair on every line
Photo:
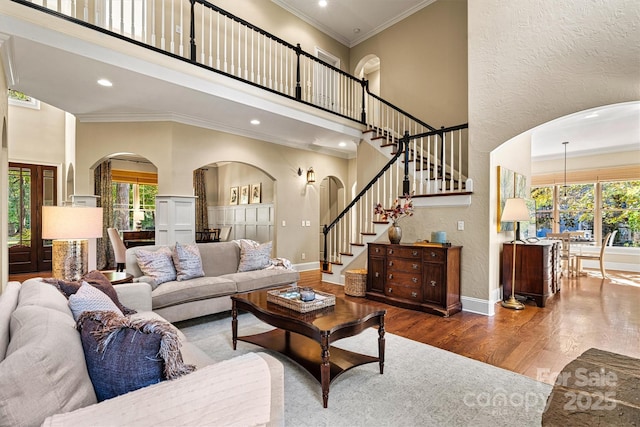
514, 210
70, 227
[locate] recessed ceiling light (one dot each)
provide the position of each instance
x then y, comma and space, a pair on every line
255, 122
105, 83
322, 3
342, 144
356, 30
592, 115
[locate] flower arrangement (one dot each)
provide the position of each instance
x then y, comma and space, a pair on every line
396, 211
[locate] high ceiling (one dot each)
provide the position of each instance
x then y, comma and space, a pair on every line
352, 21
604, 129
142, 91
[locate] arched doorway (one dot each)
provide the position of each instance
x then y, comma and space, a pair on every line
239, 198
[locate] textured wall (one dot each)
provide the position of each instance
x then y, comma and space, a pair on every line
529, 63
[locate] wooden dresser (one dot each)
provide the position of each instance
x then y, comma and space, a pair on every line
537, 270
424, 278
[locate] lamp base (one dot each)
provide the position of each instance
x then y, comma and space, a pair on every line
70, 259
513, 304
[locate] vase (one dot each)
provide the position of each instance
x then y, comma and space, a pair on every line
395, 233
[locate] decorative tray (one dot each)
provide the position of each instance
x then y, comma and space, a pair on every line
290, 298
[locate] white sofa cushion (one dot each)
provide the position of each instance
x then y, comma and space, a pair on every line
8, 303
44, 371
216, 395
172, 293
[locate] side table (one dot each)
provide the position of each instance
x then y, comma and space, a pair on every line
118, 277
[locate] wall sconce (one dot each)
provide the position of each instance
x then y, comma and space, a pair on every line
311, 175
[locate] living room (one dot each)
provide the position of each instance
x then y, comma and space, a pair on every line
502, 103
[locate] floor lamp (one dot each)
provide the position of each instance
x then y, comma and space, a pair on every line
514, 210
70, 227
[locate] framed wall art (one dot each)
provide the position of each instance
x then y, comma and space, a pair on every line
244, 195
233, 197
256, 193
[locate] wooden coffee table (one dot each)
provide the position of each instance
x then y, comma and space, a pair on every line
306, 338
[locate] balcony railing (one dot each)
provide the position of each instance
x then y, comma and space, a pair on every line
198, 32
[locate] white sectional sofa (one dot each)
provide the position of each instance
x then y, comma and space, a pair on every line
44, 378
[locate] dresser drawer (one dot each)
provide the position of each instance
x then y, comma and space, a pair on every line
406, 279
435, 255
403, 292
399, 251
376, 250
402, 264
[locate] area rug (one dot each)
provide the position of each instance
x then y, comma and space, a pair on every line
421, 385
599, 388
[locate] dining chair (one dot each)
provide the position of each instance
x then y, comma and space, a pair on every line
599, 257
565, 250
119, 248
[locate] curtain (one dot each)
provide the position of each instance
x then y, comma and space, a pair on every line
200, 191
102, 187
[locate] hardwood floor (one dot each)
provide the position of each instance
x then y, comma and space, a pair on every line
536, 342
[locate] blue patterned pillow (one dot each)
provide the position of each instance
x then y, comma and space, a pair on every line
157, 264
254, 256
187, 260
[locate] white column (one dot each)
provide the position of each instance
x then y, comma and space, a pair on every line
175, 219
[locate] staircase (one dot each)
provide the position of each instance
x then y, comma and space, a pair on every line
414, 168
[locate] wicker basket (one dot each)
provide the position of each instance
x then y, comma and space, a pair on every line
322, 300
355, 282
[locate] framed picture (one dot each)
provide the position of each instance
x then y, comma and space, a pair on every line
244, 195
233, 198
506, 190
256, 193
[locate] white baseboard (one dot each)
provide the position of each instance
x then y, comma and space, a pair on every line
306, 266
479, 306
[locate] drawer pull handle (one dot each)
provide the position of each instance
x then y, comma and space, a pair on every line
390, 251
414, 279
415, 266
390, 276
415, 253
390, 290
432, 283
377, 274
377, 250
433, 254
390, 263
414, 294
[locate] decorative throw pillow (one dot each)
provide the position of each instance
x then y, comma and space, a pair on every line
254, 256
88, 298
157, 264
96, 279
125, 354
187, 260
